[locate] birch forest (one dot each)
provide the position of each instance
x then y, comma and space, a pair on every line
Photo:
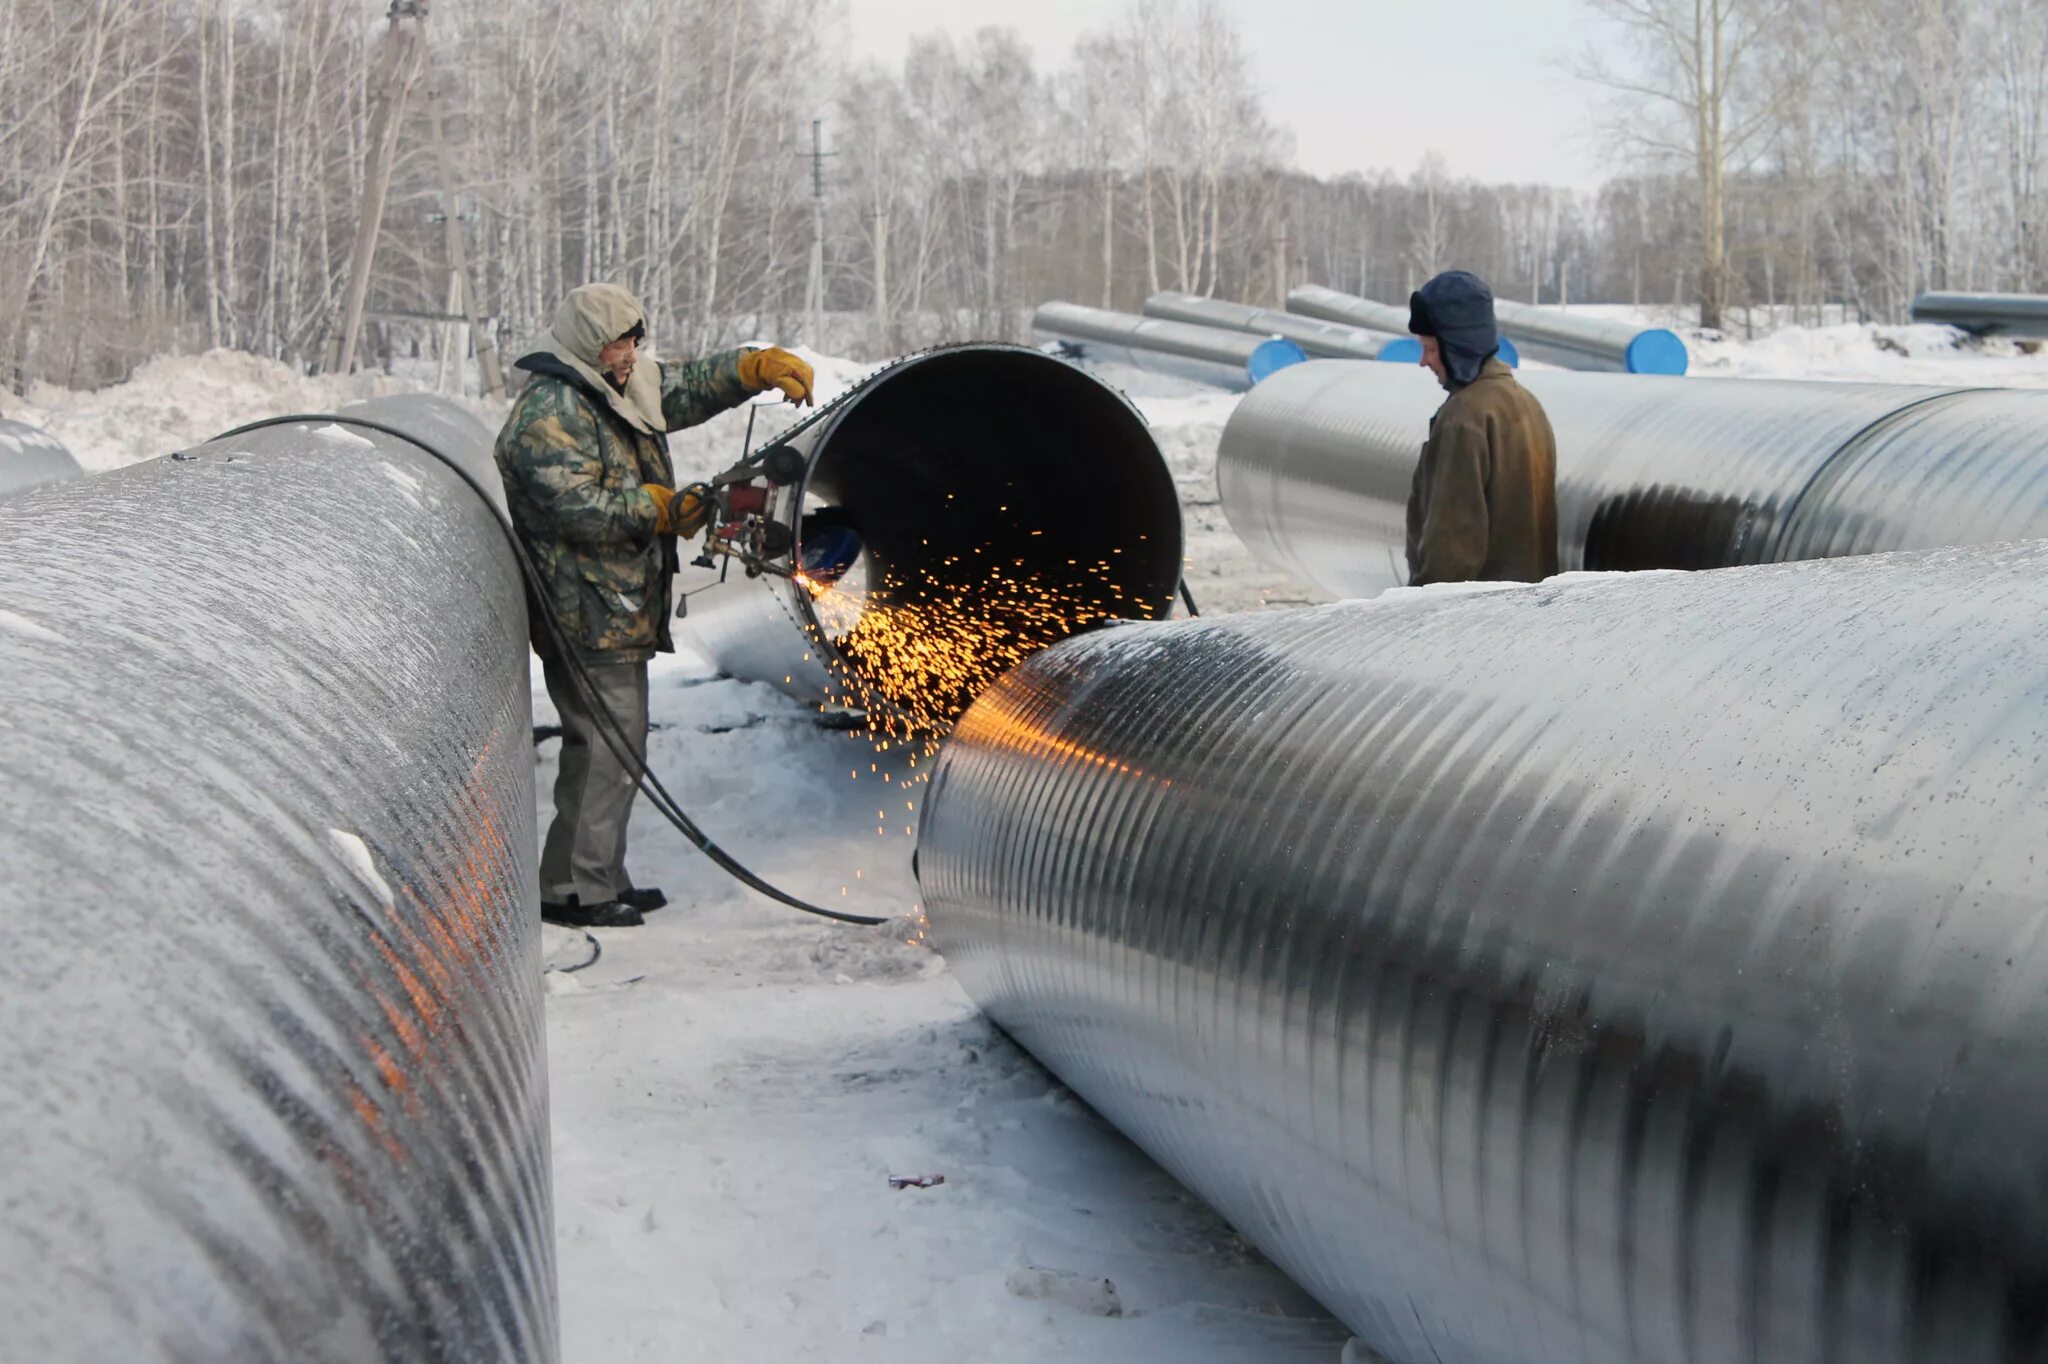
184, 174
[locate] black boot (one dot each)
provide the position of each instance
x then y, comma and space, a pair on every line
646, 899
610, 914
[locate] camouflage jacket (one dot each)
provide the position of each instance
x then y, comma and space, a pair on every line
573, 470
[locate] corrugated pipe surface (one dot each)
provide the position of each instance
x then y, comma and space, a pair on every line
1648, 970
1315, 301
1205, 354
2020, 315
1324, 340
1315, 466
270, 1012
980, 456
30, 458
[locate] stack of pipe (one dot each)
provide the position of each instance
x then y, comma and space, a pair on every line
1323, 340
1642, 970
1328, 305
31, 458
270, 1004
1556, 337
1209, 355
1314, 470
2018, 315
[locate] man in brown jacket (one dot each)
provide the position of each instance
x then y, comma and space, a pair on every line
1483, 507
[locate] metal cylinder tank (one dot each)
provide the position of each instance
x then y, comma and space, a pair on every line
1314, 470
1204, 354
2019, 315
1329, 305
1641, 970
942, 469
1324, 340
30, 458
270, 1006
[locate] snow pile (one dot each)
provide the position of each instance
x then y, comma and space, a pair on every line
174, 402
1918, 354
177, 401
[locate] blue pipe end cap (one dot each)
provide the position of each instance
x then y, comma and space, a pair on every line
828, 551
1273, 356
1407, 350
1657, 352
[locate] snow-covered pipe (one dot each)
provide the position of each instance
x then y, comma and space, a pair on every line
1204, 354
270, 1005
978, 455
30, 458
2020, 315
1641, 971
1315, 466
1323, 340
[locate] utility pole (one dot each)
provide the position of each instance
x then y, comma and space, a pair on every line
406, 43
458, 257
409, 54
814, 291
1280, 266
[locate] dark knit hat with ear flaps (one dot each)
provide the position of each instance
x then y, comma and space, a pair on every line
1457, 309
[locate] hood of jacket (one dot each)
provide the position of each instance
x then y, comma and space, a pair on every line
590, 319
1457, 309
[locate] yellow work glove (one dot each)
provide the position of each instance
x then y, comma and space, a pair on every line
761, 370
681, 514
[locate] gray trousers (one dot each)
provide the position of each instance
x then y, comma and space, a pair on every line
585, 854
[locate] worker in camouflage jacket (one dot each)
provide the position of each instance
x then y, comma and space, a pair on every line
594, 502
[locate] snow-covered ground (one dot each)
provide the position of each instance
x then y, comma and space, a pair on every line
734, 1084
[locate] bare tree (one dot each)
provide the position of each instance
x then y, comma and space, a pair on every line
1690, 91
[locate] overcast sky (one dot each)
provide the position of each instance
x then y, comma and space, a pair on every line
1362, 84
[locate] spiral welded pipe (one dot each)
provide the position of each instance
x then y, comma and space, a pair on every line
932, 472
1316, 337
2018, 315
270, 1014
1315, 466
30, 458
1315, 303
1201, 354
1643, 970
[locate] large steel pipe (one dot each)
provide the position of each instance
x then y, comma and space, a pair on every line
1576, 341
1324, 340
1646, 970
1314, 470
1204, 354
2019, 315
1315, 302
928, 478
270, 1012
30, 458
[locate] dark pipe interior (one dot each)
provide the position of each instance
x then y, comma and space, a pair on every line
980, 459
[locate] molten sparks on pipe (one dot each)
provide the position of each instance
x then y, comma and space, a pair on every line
912, 656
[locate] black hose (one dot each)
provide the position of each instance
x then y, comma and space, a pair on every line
1189, 599
608, 726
